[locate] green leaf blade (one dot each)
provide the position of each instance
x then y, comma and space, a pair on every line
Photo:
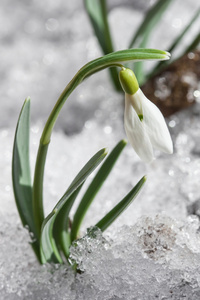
160, 65
116, 59
20, 166
21, 175
110, 217
97, 12
152, 17
88, 168
139, 66
144, 32
98, 15
61, 225
49, 249
195, 43
94, 187
185, 30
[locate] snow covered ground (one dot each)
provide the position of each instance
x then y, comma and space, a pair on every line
153, 250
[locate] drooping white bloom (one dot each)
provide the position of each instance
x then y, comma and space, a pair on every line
144, 123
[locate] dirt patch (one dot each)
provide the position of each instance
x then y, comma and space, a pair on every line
173, 88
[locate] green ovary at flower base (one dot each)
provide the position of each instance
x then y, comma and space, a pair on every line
144, 123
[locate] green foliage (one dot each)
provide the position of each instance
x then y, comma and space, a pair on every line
98, 15
21, 177
97, 12
48, 245
53, 234
106, 221
94, 187
151, 18
144, 31
172, 48
114, 59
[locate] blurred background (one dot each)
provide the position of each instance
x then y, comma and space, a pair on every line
42, 45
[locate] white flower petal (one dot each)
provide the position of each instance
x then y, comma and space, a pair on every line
155, 124
135, 131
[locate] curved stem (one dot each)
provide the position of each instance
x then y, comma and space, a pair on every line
109, 60
38, 210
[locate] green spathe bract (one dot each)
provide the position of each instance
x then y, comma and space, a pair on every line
51, 234
128, 81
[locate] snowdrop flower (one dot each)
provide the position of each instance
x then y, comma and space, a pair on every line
144, 123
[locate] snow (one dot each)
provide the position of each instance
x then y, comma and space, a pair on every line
152, 259
152, 251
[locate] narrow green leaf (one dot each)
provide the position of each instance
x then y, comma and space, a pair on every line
94, 187
61, 225
119, 57
21, 177
143, 33
151, 18
21, 168
185, 30
88, 168
106, 221
97, 12
49, 249
176, 43
195, 42
98, 15
138, 66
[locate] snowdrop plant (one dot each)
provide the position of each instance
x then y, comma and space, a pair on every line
53, 234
